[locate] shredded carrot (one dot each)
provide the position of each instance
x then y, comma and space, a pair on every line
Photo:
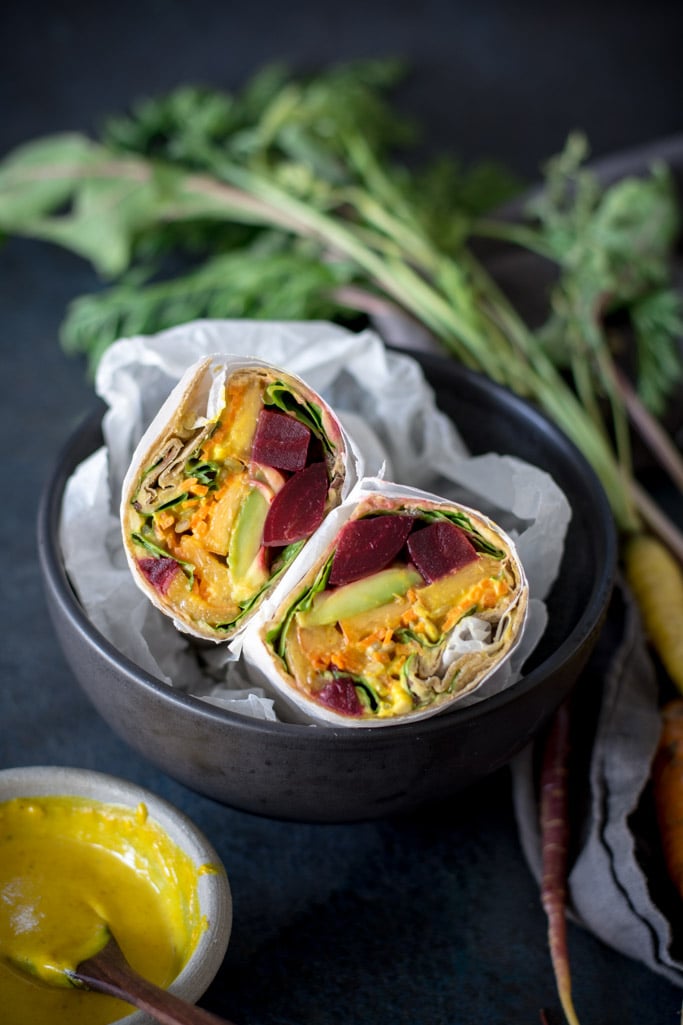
342, 660
200, 515
409, 616
482, 596
198, 489
165, 519
667, 786
367, 641
383, 657
656, 580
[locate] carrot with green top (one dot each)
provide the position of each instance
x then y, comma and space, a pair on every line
554, 820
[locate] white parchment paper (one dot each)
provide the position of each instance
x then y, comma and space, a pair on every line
387, 406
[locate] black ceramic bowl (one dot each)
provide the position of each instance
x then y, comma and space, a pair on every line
336, 775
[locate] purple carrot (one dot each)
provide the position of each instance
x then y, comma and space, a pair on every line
555, 843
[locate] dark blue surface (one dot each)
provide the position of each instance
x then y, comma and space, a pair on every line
430, 918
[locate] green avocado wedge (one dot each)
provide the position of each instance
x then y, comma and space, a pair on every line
359, 596
246, 541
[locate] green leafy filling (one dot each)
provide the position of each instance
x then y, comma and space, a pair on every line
205, 470
277, 635
285, 558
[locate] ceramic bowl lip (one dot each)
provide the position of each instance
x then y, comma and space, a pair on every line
215, 897
75, 448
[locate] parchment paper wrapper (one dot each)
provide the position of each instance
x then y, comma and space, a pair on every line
472, 650
157, 475
384, 402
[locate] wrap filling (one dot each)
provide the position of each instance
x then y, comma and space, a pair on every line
408, 610
223, 507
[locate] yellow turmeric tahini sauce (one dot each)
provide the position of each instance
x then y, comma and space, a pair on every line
70, 867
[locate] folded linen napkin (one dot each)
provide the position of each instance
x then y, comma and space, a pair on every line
617, 885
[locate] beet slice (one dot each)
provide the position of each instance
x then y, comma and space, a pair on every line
298, 507
341, 696
367, 546
439, 549
280, 441
159, 572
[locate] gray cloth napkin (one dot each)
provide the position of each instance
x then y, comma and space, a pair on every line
616, 886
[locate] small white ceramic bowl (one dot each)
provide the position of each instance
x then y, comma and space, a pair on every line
213, 888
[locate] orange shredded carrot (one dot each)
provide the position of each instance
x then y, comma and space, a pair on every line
339, 660
368, 640
198, 489
409, 616
383, 657
199, 516
165, 519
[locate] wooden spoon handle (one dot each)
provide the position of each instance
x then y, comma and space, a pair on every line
109, 972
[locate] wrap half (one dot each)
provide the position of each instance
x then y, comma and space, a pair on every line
412, 604
238, 469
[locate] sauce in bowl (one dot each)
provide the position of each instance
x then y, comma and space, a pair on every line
69, 868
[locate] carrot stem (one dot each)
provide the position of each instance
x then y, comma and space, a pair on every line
555, 841
658, 522
651, 431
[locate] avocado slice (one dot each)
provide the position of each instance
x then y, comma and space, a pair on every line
359, 596
248, 571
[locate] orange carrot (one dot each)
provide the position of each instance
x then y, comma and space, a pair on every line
555, 841
667, 784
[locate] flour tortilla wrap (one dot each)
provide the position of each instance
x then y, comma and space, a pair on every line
391, 646
195, 502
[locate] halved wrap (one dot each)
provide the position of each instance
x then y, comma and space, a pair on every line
411, 604
240, 466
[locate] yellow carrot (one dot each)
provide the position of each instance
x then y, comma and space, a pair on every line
656, 579
667, 787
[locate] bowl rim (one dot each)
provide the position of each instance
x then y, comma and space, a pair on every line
48, 519
213, 888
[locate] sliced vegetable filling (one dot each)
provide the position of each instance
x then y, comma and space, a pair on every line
227, 506
381, 644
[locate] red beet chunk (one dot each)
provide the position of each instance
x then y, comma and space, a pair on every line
159, 572
341, 696
367, 546
439, 549
280, 441
298, 507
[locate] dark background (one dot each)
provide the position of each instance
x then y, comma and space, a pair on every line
508, 80
430, 918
